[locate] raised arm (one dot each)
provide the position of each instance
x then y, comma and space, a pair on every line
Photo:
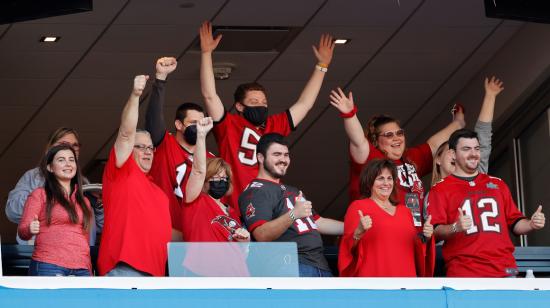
198, 172
323, 53
359, 145
154, 118
443, 135
124, 143
483, 126
213, 103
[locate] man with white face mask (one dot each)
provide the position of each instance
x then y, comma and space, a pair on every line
473, 213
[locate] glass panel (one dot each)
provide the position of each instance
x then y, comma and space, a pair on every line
535, 160
232, 259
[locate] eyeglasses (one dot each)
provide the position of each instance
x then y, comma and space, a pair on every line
144, 148
219, 178
390, 134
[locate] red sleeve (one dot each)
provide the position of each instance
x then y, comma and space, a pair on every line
348, 259
437, 207
112, 171
280, 123
221, 126
33, 206
421, 156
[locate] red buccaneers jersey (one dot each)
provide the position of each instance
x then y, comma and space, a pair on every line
484, 250
170, 171
206, 221
237, 139
417, 160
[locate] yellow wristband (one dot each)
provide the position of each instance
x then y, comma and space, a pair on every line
322, 65
322, 69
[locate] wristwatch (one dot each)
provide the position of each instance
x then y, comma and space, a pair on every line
454, 229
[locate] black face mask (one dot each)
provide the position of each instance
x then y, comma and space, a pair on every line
190, 134
255, 115
218, 188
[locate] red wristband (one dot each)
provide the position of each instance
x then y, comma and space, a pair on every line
349, 114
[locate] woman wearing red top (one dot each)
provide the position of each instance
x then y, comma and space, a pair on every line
379, 238
60, 216
207, 217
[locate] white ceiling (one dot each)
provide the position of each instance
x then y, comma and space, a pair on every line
406, 58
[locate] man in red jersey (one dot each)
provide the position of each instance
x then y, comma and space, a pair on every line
237, 134
137, 217
174, 152
473, 213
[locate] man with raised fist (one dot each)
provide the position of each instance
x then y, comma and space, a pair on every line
474, 212
137, 217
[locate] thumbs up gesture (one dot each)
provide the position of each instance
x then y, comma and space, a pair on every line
464, 222
365, 223
538, 220
34, 227
428, 228
302, 207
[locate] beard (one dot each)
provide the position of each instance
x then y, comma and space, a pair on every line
273, 172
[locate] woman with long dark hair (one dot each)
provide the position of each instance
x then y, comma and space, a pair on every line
60, 217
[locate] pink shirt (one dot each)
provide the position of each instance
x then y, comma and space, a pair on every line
62, 243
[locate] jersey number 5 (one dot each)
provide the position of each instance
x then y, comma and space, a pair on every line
488, 208
249, 145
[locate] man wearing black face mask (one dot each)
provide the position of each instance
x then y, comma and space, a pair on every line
237, 134
174, 154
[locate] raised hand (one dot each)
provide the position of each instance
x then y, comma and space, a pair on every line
538, 220
165, 66
493, 86
365, 223
458, 114
339, 100
34, 227
324, 51
241, 235
302, 207
464, 222
139, 84
204, 125
428, 228
208, 42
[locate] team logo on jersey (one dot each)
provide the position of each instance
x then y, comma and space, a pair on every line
250, 211
256, 184
417, 187
492, 185
283, 187
228, 223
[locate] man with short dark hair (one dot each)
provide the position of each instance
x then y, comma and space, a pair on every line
473, 213
174, 152
276, 212
238, 134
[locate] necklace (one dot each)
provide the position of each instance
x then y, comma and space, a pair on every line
386, 207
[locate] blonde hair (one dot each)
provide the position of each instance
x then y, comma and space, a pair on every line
214, 166
436, 170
